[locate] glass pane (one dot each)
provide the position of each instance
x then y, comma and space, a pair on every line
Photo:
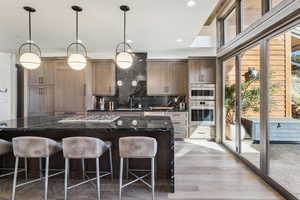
229, 137
284, 113
230, 27
251, 11
250, 105
276, 2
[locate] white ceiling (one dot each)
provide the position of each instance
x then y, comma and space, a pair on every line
153, 25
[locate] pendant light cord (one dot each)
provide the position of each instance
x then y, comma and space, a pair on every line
29, 28
124, 36
77, 32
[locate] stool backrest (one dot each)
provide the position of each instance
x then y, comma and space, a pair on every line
32, 147
83, 147
137, 147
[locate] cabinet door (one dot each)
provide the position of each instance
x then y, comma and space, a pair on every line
34, 101
69, 89
47, 100
41, 101
158, 78
44, 75
104, 78
202, 71
178, 77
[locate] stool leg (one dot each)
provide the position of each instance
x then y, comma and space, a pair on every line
83, 168
111, 164
15, 178
41, 167
98, 178
121, 178
46, 178
153, 176
66, 177
127, 168
26, 168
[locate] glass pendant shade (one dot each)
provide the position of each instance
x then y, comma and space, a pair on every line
124, 60
30, 61
77, 61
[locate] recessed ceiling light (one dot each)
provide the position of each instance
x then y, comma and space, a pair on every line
191, 3
179, 40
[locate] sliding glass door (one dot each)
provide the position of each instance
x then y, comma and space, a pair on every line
230, 128
262, 107
284, 109
249, 111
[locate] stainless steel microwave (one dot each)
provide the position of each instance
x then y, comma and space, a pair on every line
202, 92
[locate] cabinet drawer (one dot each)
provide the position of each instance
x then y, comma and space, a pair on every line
154, 113
179, 123
179, 133
177, 116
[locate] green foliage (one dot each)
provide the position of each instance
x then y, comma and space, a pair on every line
250, 97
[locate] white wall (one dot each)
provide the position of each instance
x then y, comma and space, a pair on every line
8, 81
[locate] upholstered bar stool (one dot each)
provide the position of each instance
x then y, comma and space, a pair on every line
34, 147
137, 147
6, 147
85, 148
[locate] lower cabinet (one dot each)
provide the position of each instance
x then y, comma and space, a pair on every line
179, 120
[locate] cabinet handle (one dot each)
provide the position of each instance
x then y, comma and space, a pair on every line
84, 90
166, 89
41, 80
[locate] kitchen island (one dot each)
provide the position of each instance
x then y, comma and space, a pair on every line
157, 127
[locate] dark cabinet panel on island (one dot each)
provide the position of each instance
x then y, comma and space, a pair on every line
104, 78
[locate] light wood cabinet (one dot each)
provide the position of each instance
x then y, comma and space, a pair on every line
69, 89
167, 77
44, 75
41, 100
104, 78
202, 70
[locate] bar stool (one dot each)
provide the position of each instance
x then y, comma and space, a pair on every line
137, 147
34, 147
85, 148
6, 147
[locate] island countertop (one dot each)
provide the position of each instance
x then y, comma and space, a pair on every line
124, 123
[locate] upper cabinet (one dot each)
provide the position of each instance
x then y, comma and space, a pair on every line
202, 70
104, 78
166, 77
69, 89
44, 75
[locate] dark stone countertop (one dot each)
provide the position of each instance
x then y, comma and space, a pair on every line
148, 123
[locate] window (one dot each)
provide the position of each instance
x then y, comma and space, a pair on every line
230, 26
251, 12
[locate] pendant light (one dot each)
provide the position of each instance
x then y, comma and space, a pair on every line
28, 58
124, 57
77, 60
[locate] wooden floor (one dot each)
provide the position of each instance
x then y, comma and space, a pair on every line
204, 171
